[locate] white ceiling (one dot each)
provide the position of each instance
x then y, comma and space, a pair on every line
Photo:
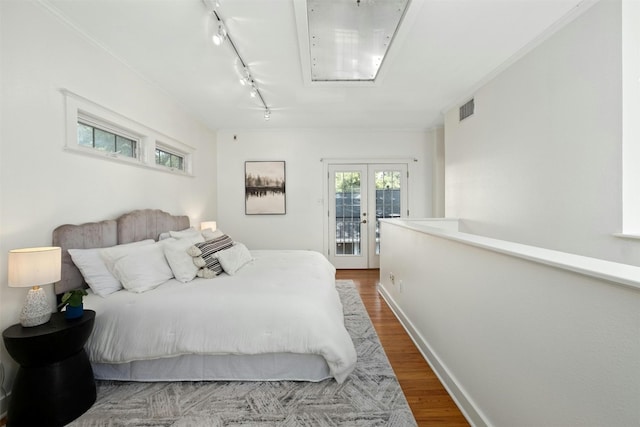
443, 50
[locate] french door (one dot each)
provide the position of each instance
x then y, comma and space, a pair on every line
359, 195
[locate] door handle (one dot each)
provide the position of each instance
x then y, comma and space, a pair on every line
364, 221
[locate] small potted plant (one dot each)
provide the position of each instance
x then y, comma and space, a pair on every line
73, 301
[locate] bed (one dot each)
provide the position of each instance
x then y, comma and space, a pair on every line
270, 315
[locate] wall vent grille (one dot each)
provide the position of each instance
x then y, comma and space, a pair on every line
467, 109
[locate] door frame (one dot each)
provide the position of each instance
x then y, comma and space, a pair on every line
410, 162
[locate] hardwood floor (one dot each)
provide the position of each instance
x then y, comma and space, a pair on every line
429, 401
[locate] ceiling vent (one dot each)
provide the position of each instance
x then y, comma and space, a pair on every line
467, 109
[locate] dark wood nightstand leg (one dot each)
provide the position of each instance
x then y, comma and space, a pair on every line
52, 395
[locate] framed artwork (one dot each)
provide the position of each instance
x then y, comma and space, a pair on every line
264, 188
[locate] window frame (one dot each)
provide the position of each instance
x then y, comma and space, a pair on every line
82, 110
172, 152
630, 128
97, 124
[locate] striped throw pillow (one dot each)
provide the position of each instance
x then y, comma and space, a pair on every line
209, 249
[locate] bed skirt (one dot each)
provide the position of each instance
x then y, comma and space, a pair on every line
193, 367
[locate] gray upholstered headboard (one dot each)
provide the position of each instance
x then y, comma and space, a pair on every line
84, 236
130, 227
148, 224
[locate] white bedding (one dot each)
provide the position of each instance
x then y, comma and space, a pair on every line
281, 302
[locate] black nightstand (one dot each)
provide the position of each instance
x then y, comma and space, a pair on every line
54, 384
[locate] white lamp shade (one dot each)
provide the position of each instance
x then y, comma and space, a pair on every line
208, 224
34, 266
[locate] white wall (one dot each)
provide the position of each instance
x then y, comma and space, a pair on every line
540, 162
438, 174
517, 342
302, 226
42, 186
630, 114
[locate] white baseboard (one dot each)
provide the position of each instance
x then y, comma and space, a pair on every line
466, 406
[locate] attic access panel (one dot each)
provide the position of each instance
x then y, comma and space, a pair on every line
348, 39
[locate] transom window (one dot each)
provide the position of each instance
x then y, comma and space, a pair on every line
97, 131
102, 140
170, 160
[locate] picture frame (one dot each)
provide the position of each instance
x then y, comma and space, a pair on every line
265, 187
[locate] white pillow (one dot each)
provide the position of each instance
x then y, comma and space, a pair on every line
207, 234
180, 261
189, 232
94, 271
143, 268
114, 253
234, 258
210, 234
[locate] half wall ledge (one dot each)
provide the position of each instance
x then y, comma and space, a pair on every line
447, 228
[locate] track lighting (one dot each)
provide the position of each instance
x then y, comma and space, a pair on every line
246, 79
221, 35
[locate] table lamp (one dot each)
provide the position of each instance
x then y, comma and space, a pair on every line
208, 224
32, 267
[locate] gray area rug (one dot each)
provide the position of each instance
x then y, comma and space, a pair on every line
371, 396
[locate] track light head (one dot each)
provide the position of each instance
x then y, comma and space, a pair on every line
245, 78
221, 35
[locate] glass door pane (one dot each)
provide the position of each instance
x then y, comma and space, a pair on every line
348, 241
347, 194
388, 187
387, 199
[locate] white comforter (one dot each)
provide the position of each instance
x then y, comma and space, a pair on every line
283, 301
